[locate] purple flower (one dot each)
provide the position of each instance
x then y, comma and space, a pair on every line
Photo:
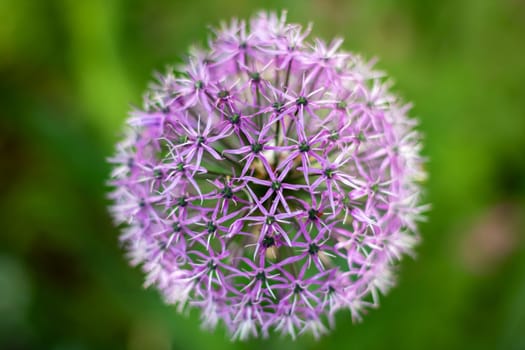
270, 182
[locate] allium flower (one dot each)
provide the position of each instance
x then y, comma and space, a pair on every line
269, 181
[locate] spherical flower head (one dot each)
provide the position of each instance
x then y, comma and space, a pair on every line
269, 181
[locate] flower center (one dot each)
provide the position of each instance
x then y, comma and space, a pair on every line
268, 241
301, 101
270, 220
256, 147
227, 192
304, 147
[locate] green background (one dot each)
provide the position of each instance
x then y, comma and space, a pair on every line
69, 71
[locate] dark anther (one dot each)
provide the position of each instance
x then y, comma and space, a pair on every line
243, 45
199, 84
334, 135
260, 276
268, 241
278, 107
313, 214
270, 220
256, 77
158, 174
223, 94
304, 147
181, 202
200, 140
297, 289
210, 226
313, 249
180, 167
301, 101
235, 118
328, 173
130, 162
256, 147
227, 192
212, 265
142, 203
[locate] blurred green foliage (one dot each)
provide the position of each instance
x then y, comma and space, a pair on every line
68, 73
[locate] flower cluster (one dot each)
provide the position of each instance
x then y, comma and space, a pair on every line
269, 181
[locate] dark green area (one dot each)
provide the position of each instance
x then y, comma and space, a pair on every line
69, 71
